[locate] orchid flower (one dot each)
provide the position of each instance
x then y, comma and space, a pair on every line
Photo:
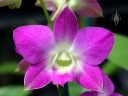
108, 88
89, 8
10, 3
67, 54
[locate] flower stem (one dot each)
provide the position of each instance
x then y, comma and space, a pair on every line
46, 14
59, 89
65, 91
58, 10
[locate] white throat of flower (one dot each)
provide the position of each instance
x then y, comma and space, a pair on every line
63, 60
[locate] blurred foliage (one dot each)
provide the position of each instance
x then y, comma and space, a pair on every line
119, 53
110, 68
13, 91
75, 89
9, 68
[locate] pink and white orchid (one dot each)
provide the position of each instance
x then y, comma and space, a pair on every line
108, 88
89, 8
64, 55
10, 3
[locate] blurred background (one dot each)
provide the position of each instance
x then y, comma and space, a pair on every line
116, 65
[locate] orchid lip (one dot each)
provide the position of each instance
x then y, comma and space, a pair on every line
63, 59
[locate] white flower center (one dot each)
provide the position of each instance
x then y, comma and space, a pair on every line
63, 57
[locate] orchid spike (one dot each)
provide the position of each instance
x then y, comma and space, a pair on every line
108, 88
89, 8
10, 3
66, 54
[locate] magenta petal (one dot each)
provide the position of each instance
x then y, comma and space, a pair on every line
90, 77
37, 76
61, 79
23, 65
108, 88
33, 42
108, 85
94, 44
93, 93
65, 26
91, 8
116, 94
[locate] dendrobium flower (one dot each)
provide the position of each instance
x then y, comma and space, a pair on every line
89, 8
10, 3
64, 55
108, 88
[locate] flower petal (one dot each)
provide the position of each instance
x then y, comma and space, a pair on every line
59, 78
33, 42
37, 76
48, 3
90, 8
93, 44
93, 93
108, 85
23, 65
90, 77
116, 94
65, 26
108, 88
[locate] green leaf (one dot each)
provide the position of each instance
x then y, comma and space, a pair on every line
13, 91
9, 68
75, 89
119, 53
110, 68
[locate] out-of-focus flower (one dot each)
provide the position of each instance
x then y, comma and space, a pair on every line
89, 8
108, 88
10, 3
64, 54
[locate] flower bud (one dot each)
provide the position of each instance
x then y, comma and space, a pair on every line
10, 3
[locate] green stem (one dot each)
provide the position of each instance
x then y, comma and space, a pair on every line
58, 10
65, 90
59, 89
46, 14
